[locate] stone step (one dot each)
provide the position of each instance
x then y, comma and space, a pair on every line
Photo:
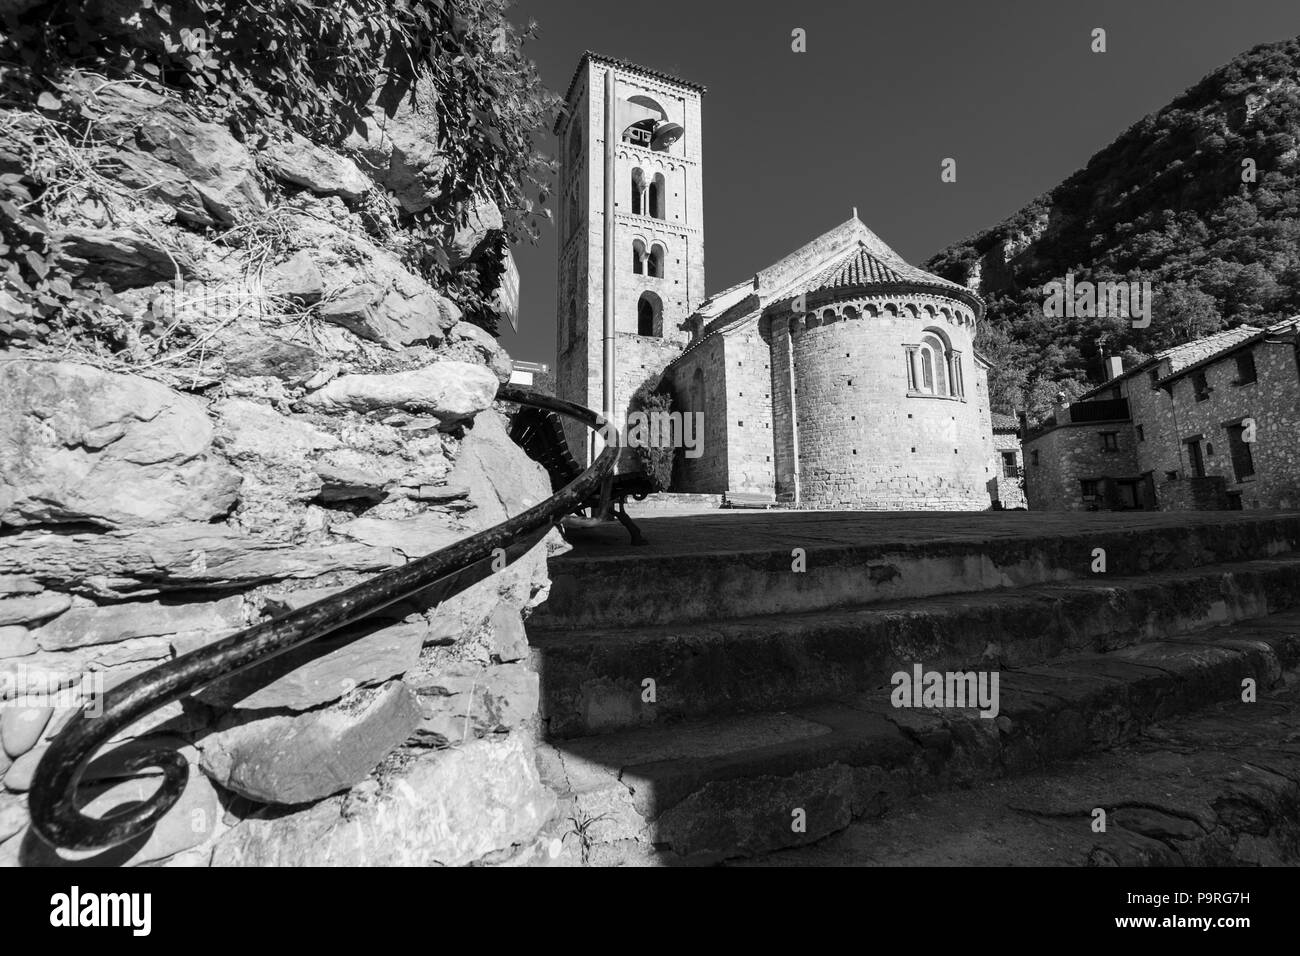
740, 564
1220, 787
680, 502
594, 681
705, 791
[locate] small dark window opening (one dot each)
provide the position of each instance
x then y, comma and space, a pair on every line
657, 195
645, 318
1141, 435
1110, 441
1089, 487
1246, 368
1243, 461
1200, 386
1033, 456
1009, 468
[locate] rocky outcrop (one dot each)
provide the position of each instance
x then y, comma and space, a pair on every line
185, 166
450, 391
400, 152
290, 406
446, 808
296, 159
481, 218
83, 445
307, 757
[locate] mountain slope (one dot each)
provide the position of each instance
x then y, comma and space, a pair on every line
1166, 203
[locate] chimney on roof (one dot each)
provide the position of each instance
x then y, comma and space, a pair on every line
1114, 367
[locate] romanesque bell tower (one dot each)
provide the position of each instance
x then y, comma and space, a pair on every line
656, 244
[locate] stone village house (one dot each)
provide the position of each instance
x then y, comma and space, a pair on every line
1175, 432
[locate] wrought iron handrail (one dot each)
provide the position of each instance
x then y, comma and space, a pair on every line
435, 577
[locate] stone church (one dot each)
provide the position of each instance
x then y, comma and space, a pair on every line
840, 376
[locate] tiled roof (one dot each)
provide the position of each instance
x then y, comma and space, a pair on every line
859, 266
1182, 356
1190, 353
1194, 360
850, 256
1003, 422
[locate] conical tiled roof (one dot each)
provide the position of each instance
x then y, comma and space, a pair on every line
860, 266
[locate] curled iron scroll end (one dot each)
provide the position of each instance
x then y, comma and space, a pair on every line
60, 822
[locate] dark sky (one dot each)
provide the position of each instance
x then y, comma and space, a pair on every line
886, 91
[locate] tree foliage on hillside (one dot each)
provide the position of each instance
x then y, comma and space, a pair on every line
1165, 203
315, 66
319, 68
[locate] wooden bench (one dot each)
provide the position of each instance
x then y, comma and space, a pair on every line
540, 434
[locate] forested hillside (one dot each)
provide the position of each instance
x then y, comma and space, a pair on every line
1171, 202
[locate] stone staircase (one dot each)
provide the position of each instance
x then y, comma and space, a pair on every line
708, 701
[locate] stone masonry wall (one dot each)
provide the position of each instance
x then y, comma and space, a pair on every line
864, 441
1058, 460
748, 360
706, 393
1010, 492
1273, 400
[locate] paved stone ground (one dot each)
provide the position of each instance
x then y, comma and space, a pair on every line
732, 530
1221, 787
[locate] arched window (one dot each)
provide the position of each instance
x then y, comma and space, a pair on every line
641, 133
649, 315
658, 197
934, 354
638, 193
697, 391
933, 368
638, 257
657, 261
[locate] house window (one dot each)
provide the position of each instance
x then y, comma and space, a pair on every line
1034, 457
1090, 487
638, 257
1200, 387
1195, 458
1009, 467
1245, 368
1243, 462
1110, 441
1154, 375
656, 264
1141, 435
